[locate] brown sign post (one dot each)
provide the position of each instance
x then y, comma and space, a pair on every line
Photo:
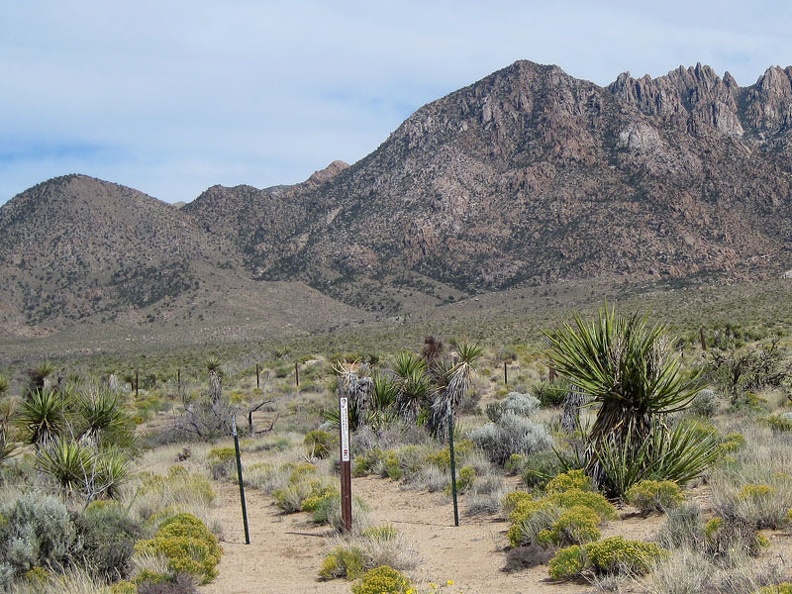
346, 468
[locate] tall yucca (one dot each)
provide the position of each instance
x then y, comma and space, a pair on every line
455, 382
628, 368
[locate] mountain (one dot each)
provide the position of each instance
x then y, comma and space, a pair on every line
531, 176
526, 177
78, 249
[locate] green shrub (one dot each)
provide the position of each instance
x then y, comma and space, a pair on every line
611, 556
753, 492
363, 464
530, 518
343, 562
783, 588
733, 442
381, 580
650, 496
618, 555
595, 501
222, 462
539, 468
465, 479
380, 533
320, 444
512, 500
108, 534
781, 423
291, 499
515, 463
578, 525
442, 458
322, 507
568, 563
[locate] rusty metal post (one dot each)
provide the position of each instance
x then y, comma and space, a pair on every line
346, 466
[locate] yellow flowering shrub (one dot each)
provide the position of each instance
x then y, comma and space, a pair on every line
572, 479
650, 496
382, 580
611, 556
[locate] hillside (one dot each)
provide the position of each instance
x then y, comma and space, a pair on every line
77, 249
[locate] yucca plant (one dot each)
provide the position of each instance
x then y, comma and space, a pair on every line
627, 367
37, 376
66, 461
215, 371
82, 470
42, 416
104, 418
414, 385
382, 404
7, 445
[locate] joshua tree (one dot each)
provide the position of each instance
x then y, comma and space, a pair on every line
455, 383
215, 380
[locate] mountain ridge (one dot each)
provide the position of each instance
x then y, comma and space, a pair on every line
526, 177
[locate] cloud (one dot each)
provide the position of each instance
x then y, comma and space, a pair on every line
172, 97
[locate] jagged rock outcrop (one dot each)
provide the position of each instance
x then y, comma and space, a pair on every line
532, 176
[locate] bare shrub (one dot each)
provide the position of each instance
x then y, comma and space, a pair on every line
686, 571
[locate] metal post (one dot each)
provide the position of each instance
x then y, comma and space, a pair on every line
505, 373
239, 477
258, 376
346, 467
296, 374
453, 462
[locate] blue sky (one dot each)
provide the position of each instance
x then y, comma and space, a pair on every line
173, 96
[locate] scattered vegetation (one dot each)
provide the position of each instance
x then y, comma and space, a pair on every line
107, 474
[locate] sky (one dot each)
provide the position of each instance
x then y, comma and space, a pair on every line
171, 97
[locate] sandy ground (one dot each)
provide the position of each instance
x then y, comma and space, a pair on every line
286, 551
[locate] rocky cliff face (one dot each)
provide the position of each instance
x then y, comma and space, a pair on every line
531, 176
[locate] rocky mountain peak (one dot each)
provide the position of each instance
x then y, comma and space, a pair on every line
693, 99
769, 102
325, 175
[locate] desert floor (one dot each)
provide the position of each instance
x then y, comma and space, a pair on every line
286, 551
